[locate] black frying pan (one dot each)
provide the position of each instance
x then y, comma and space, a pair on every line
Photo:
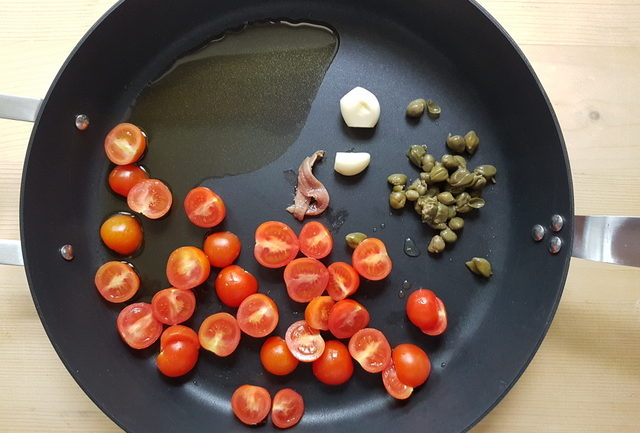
451, 51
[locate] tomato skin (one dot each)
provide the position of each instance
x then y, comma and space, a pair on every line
125, 144
304, 342
276, 244
187, 267
287, 408
347, 317
276, 357
123, 177
117, 281
315, 240
344, 281
151, 198
335, 366
251, 404
172, 306
392, 384
305, 279
122, 233
178, 351
257, 315
371, 260
233, 284
371, 349
317, 312
222, 248
137, 326
412, 364
427, 312
179, 332
220, 334
204, 207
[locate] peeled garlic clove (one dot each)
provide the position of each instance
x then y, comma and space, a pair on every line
360, 108
351, 163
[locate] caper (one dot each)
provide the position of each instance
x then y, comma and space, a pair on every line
475, 193
471, 141
463, 209
398, 188
488, 171
433, 109
446, 198
453, 189
461, 161
436, 245
456, 223
456, 143
397, 179
428, 161
449, 162
438, 174
397, 200
412, 195
425, 177
415, 154
452, 212
416, 107
432, 191
476, 202
422, 189
354, 239
461, 178
438, 226
479, 182
480, 266
462, 199
449, 235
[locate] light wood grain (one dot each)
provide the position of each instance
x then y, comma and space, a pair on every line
586, 376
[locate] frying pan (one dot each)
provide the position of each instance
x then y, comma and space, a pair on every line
453, 52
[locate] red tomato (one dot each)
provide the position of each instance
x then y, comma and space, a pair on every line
343, 281
151, 198
276, 357
123, 177
122, 233
347, 317
317, 312
305, 279
220, 334
335, 366
371, 349
233, 284
304, 342
178, 352
392, 384
187, 267
137, 326
222, 248
125, 144
172, 306
258, 315
412, 364
315, 240
287, 409
179, 332
371, 260
251, 404
117, 281
204, 207
427, 312
276, 244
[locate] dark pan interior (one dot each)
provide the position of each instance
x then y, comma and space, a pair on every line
450, 51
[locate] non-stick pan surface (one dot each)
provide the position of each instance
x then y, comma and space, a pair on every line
449, 51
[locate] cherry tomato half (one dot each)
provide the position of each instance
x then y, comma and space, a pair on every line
204, 207
276, 357
123, 177
251, 404
178, 353
276, 244
304, 342
412, 364
343, 280
305, 279
125, 144
315, 240
187, 267
220, 334
317, 312
347, 317
122, 233
258, 315
371, 260
137, 326
371, 349
222, 248
335, 366
151, 198
233, 284
179, 332
427, 312
287, 408
117, 281
172, 306
392, 384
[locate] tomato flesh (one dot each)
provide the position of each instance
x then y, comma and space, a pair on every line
347, 317
222, 248
276, 244
122, 233
151, 198
305, 343
137, 326
441, 324
187, 267
392, 384
117, 281
276, 357
178, 351
334, 366
412, 364
123, 177
258, 315
305, 279
315, 240
172, 306
371, 349
287, 408
251, 404
317, 312
343, 281
371, 260
233, 284
125, 144
204, 207
220, 334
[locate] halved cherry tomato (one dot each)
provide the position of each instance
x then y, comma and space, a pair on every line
172, 306
179, 332
187, 267
117, 281
222, 248
304, 342
427, 312
412, 364
392, 384
137, 326
347, 317
233, 284
371, 260
276, 357
151, 198
317, 312
287, 409
305, 279
251, 404
122, 233
125, 144
343, 280
371, 349
123, 177
204, 207
335, 366
258, 315
220, 334
315, 240
276, 244
178, 352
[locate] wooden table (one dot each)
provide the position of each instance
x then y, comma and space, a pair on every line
586, 376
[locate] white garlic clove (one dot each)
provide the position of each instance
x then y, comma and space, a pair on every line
351, 163
360, 108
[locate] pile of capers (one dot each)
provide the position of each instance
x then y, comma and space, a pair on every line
443, 191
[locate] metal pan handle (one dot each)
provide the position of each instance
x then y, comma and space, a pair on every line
19, 108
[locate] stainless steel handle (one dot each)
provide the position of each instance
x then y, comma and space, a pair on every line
11, 253
19, 108
609, 239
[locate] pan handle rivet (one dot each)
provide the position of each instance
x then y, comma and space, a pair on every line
537, 232
555, 244
66, 251
82, 122
556, 223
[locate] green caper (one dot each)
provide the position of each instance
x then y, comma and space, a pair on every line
415, 154
462, 199
479, 182
397, 200
416, 107
461, 161
412, 195
456, 143
397, 179
471, 141
398, 188
463, 209
438, 174
432, 191
425, 177
449, 162
438, 226
433, 109
480, 266
354, 239
428, 161
436, 245
449, 235
446, 198
488, 171
456, 223
453, 189
475, 193
476, 202
461, 178
452, 212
